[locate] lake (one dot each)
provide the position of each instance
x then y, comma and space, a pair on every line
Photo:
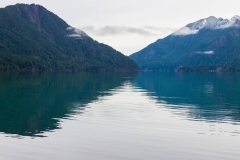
120, 116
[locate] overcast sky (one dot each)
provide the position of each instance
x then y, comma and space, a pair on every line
130, 25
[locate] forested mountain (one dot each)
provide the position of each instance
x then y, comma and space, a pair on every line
35, 39
206, 45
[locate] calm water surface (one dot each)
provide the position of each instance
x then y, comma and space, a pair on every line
119, 116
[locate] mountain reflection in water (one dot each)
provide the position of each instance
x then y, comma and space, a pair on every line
198, 96
34, 103
119, 116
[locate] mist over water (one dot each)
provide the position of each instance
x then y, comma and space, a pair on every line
120, 116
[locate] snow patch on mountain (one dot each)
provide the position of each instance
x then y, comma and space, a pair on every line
76, 33
208, 23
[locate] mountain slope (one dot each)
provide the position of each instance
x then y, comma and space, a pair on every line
207, 44
33, 38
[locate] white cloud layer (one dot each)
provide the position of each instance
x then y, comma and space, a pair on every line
205, 52
124, 30
76, 33
185, 31
123, 39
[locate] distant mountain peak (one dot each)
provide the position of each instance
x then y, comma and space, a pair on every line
29, 7
208, 23
214, 45
236, 17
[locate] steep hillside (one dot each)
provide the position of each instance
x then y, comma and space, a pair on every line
208, 44
33, 38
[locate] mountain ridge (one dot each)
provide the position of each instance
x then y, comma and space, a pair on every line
210, 23
35, 39
203, 50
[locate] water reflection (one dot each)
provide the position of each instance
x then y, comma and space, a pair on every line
151, 116
210, 97
34, 103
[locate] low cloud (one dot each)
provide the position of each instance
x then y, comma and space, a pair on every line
206, 52
123, 30
185, 31
76, 33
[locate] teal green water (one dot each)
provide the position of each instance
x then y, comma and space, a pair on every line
30, 103
209, 97
120, 116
